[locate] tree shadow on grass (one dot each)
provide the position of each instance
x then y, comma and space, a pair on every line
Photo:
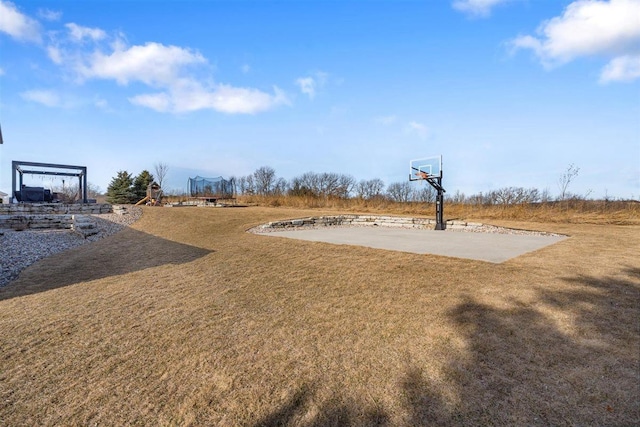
294, 412
575, 364
570, 358
125, 252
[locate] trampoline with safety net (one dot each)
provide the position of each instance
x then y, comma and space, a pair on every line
211, 189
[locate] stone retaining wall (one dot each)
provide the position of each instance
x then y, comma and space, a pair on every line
364, 220
53, 216
54, 208
79, 223
25, 222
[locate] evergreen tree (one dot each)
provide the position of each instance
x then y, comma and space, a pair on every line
140, 185
120, 189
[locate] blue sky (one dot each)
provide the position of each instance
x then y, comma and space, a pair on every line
509, 92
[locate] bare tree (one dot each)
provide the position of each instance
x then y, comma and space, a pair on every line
247, 185
457, 197
566, 178
476, 199
265, 179
235, 184
325, 184
328, 184
280, 187
514, 195
93, 190
346, 183
308, 184
425, 194
400, 191
244, 185
161, 170
241, 184
369, 189
297, 188
71, 192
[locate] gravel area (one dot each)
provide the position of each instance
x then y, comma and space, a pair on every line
481, 228
494, 229
20, 249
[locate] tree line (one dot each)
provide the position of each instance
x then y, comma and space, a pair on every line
327, 185
124, 188
264, 182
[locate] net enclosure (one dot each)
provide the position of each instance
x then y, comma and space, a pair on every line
211, 188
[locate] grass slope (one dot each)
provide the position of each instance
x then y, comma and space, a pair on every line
185, 319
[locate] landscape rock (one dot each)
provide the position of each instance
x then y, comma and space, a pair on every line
20, 249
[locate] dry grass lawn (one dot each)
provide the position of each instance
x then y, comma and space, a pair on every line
185, 319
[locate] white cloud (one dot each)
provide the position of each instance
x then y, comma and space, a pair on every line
170, 71
621, 69
478, 8
588, 28
310, 84
17, 25
231, 100
165, 67
187, 96
49, 15
152, 64
418, 129
157, 101
55, 54
245, 69
79, 33
307, 86
44, 97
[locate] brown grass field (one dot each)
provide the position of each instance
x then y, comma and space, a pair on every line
186, 319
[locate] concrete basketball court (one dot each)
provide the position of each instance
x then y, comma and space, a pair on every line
488, 247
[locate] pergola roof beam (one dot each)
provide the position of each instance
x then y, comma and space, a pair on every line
51, 165
79, 175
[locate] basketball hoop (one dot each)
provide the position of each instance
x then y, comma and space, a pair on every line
430, 169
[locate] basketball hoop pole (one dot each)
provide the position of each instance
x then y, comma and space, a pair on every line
436, 182
430, 170
440, 224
